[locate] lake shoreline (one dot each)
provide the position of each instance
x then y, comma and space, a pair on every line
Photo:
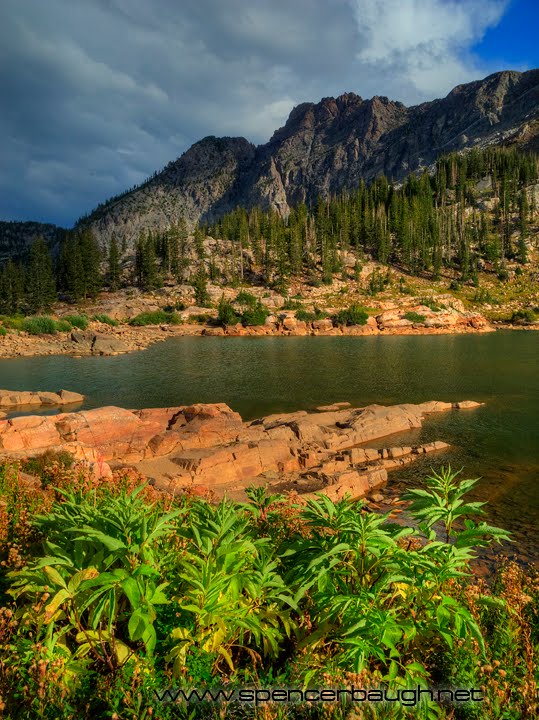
127, 339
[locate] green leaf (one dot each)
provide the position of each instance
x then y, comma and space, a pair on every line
54, 576
393, 671
138, 623
131, 589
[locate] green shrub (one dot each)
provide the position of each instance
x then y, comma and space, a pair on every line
414, 317
200, 285
119, 593
523, 317
482, 295
226, 314
353, 315
78, 321
246, 298
378, 282
307, 316
256, 315
158, 317
177, 306
40, 325
63, 325
13, 322
3, 331
405, 288
106, 320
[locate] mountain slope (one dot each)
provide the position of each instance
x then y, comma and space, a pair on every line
322, 149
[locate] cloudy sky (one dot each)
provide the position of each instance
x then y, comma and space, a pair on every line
97, 94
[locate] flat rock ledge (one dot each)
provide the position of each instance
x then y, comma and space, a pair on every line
10, 399
207, 448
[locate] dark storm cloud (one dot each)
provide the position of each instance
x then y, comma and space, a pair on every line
97, 94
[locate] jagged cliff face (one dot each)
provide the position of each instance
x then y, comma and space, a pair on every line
202, 181
324, 148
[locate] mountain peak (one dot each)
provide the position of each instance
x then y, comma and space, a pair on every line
324, 148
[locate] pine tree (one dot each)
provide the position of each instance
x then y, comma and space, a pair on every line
11, 288
200, 285
40, 282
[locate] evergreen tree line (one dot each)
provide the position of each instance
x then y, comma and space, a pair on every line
82, 269
427, 223
424, 224
32, 285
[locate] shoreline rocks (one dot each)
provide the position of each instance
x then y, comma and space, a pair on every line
103, 339
208, 445
13, 399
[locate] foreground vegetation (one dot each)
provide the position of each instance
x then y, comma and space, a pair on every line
112, 591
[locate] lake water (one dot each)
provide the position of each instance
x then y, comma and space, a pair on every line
256, 376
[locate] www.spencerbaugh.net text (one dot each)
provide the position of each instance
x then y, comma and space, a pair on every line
407, 697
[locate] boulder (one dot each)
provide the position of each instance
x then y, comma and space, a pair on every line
81, 337
289, 323
355, 483
69, 397
376, 421
467, 405
108, 345
28, 433
307, 432
206, 425
209, 444
360, 455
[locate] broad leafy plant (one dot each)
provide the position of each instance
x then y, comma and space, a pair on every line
101, 578
232, 600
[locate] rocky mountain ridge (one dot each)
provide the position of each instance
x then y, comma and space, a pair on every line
324, 148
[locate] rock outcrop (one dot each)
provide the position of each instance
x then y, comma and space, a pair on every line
10, 399
209, 445
96, 343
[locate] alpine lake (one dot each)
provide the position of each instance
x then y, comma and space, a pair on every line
498, 443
